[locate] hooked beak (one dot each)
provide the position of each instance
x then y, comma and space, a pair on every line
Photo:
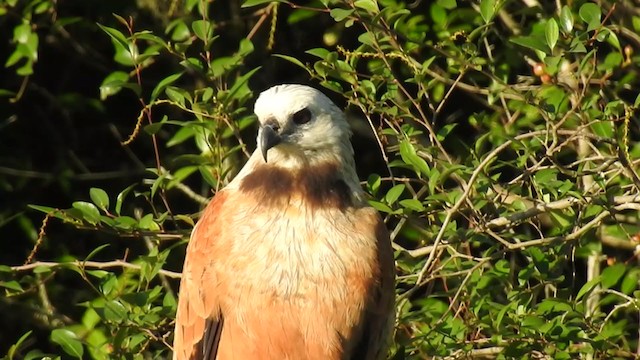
267, 139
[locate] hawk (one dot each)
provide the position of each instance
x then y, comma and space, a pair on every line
288, 261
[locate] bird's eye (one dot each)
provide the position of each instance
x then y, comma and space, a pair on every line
302, 117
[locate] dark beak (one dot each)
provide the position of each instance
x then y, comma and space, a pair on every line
267, 139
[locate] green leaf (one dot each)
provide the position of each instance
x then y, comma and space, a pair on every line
322, 53
546, 176
612, 274
31, 47
245, 48
603, 128
487, 10
630, 282
394, 193
380, 206
551, 33
203, 29
113, 83
373, 183
299, 15
116, 35
95, 251
611, 38
13, 285
410, 157
68, 341
7, 93
587, 288
125, 222
250, 3
148, 223
369, 5
532, 42
412, 204
561, 219
15, 347
591, 14
176, 94
90, 212
294, 61
44, 209
100, 198
444, 131
566, 19
152, 129
447, 4
21, 33
163, 84
121, 196
239, 84
207, 175
340, 14
186, 132
41, 270
115, 311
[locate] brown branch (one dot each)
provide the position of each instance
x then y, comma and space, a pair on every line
92, 264
539, 209
40, 239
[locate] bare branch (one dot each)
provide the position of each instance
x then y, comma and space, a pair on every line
92, 264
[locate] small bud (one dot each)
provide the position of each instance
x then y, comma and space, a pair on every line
545, 78
538, 69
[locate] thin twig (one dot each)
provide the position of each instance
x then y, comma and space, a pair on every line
92, 264
40, 239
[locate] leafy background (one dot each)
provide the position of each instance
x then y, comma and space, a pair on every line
498, 138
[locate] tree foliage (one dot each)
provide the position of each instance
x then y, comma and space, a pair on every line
499, 139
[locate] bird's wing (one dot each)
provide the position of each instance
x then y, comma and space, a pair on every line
198, 320
380, 314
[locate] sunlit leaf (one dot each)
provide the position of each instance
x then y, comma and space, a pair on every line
89, 211
68, 341
551, 33
99, 197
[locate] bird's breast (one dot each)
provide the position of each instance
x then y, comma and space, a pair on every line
295, 250
299, 255
299, 279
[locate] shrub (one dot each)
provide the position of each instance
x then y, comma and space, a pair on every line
508, 133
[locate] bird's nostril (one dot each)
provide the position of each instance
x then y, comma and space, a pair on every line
272, 123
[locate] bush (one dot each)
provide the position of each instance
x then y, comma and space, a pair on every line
508, 133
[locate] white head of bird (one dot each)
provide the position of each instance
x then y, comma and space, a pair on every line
299, 125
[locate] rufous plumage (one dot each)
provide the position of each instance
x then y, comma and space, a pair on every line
289, 261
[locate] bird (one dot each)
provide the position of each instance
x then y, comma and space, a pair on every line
288, 260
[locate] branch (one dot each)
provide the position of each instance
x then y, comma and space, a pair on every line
555, 205
92, 264
488, 159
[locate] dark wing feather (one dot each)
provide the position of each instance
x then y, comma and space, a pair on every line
211, 338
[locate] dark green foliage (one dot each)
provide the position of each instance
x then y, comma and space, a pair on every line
499, 140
